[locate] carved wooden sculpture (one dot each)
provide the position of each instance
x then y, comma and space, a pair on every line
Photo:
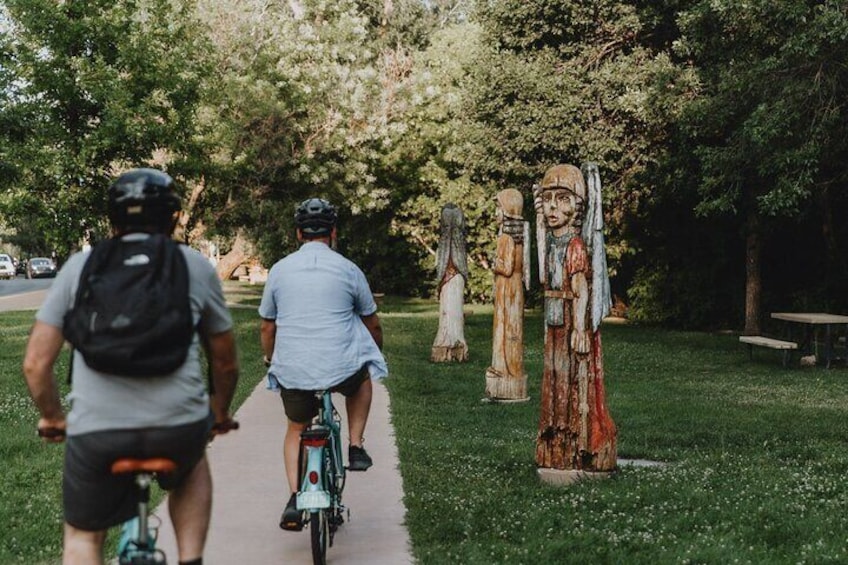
505, 378
576, 432
452, 271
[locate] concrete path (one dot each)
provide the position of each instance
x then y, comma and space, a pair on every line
250, 492
25, 301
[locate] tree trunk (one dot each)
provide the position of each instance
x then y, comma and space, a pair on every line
836, 262
753, 281
232, 260
181, 232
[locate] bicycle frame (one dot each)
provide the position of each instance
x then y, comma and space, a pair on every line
138, 540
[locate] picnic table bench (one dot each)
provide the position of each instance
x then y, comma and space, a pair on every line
831, 324
762, 341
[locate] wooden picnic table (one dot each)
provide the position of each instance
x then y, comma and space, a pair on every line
811, 321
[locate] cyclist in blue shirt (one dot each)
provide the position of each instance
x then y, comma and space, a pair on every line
319, 330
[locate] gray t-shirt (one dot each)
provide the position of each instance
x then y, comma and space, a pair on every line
100, 401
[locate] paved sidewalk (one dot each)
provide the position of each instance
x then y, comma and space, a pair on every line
24, 301
250, 492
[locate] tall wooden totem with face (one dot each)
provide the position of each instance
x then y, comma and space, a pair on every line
576, 432
452, 272
505, 378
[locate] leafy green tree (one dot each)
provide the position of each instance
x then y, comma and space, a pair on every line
573, 81
768, 125
432, 152
292, 104
90, 88
312, 99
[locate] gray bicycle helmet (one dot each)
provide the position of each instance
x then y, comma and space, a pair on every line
315, 217
143, 199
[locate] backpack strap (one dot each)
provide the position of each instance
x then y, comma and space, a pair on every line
103, 248
71, 367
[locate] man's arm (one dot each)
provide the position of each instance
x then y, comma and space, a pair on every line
372, 322
45, 343
223, 360
267, 335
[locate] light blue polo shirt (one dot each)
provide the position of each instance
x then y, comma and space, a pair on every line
316, 297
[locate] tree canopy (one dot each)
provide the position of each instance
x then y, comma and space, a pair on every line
718, 128
89, 88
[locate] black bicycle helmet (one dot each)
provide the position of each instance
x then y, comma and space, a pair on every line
143, 199
315, 217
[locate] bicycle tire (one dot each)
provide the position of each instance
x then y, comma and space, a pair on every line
319, 532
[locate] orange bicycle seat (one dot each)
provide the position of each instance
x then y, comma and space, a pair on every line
152, 465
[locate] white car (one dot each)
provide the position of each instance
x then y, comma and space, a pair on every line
7, 267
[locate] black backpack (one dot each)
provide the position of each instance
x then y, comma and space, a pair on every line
132, 314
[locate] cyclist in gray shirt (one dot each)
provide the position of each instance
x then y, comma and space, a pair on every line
115, 416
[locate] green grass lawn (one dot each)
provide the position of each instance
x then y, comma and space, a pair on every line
756, 454
31, 472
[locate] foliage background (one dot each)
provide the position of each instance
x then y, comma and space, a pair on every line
712, 122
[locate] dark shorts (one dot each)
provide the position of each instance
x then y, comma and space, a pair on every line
302, 405
94, 499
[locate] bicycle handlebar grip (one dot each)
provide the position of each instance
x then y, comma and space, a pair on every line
225, 426
51, 433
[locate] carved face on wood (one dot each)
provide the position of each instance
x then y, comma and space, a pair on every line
559, 206
563, 193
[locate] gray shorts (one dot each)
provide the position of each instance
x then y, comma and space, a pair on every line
94, 499
302, 405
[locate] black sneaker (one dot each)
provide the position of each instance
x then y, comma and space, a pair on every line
292, 518
358, 459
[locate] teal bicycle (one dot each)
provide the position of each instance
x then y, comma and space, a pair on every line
137, 545
321, 476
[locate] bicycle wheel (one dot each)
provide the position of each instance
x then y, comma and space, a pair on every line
319, 531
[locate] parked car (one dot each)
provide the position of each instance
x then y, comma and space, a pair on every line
7, 267
40, 267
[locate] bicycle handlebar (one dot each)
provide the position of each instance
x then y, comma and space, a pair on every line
51, 433
59, 433
224, 427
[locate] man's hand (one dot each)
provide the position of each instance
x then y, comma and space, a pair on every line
222, 427
221, 351
51, 430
